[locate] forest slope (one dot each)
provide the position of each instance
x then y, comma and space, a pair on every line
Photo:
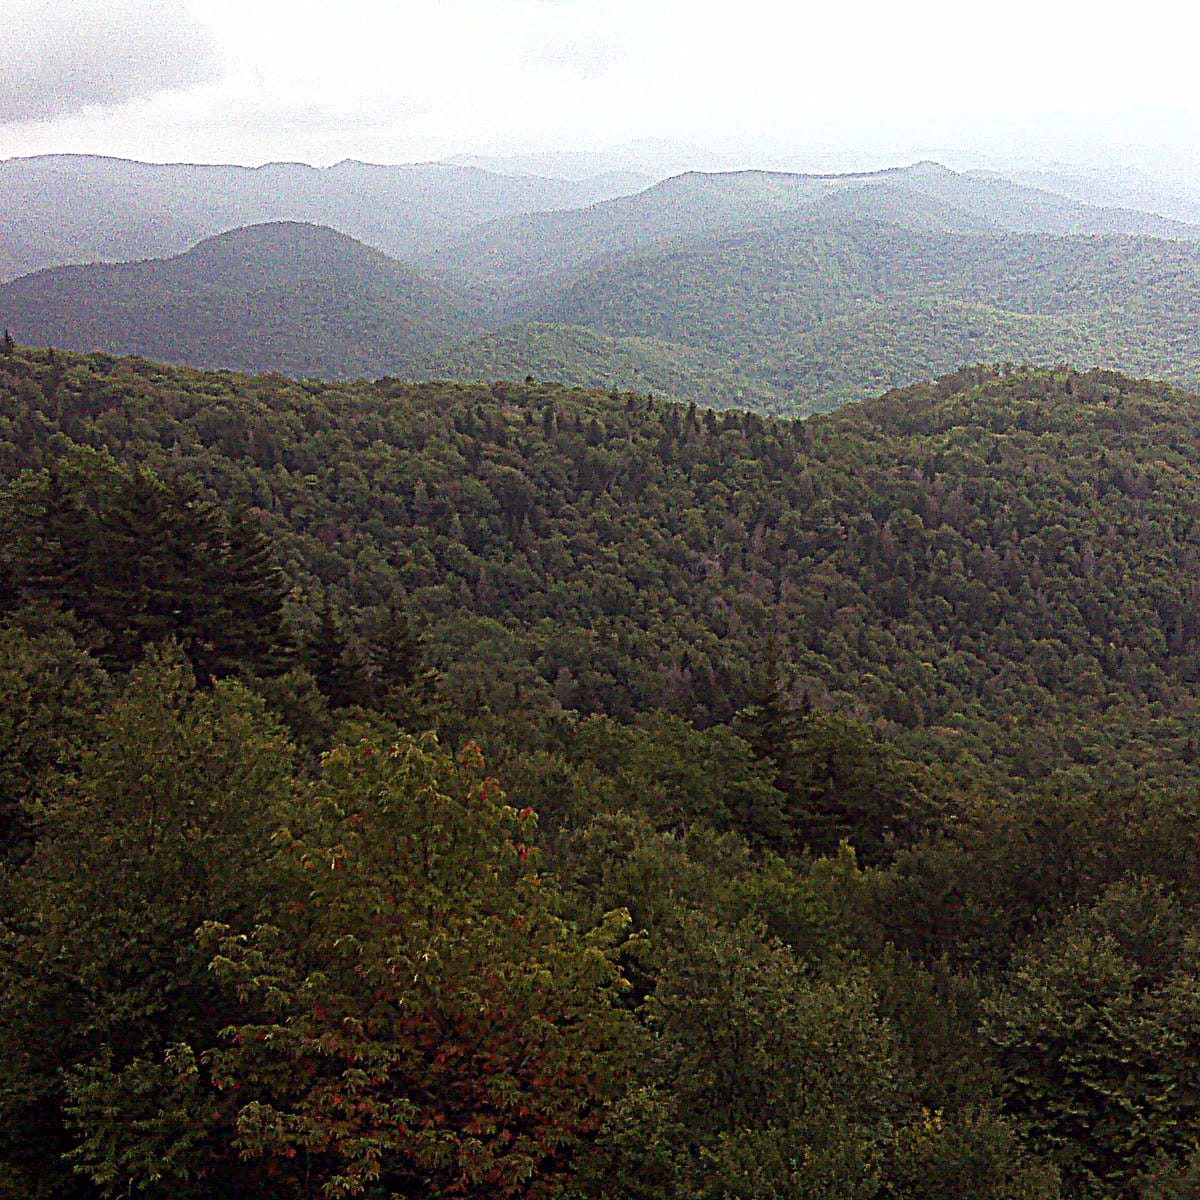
1001, 564
510, 249
286, 297
830, 310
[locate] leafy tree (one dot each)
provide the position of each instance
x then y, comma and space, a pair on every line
785, 1085
977, 1157
429, 1023
166, 824
1096, 1029
54, 692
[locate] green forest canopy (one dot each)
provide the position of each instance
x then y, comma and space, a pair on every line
812, 807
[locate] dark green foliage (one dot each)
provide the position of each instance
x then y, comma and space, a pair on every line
142, 560
53, 691
290, 297
1096, 1029
168, 825
937, 562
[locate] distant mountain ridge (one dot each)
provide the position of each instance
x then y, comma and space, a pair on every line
70, 209
763, 289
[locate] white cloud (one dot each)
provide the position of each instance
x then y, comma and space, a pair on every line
856, 82
58, 58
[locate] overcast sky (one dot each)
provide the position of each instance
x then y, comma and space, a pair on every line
835, 84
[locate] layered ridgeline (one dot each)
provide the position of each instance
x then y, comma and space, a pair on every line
772, 292
813, 807
511, 249
78, 208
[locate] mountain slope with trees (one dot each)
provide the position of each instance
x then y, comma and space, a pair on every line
281, 297
520, 791
774, 292
510, 249
610, 553
826, 311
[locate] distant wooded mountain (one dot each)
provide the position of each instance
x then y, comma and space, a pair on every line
72, 208
510, 249
651, 158
783, 293
825, 311
1177, 198
290, 297
589, 358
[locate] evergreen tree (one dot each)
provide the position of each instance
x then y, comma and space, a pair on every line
770, 722
398, 682
246, 626
331, 657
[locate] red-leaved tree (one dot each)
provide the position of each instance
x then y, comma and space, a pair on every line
429, 1025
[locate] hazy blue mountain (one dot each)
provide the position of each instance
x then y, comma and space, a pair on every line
81, 208
291, 297
1025, 209
1114, 186
509, 251
769, 290
651, 158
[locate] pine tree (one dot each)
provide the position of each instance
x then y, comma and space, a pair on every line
249, 590
770, 723
398, 682
330, 656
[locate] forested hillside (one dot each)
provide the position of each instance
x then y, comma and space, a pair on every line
811, 809
285, 297
827, 311
933, 559
510, 249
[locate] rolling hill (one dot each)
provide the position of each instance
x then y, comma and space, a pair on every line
825, 311
276, 297
766, 290
587, 358
877, 731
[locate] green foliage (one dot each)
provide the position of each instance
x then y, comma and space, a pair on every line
1097, 1029
775, 292
429, 1024
942, 561
53, 692
278, 297
977, 1156
584, 357
785, 1086
167, 825
862, 749
142, 560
